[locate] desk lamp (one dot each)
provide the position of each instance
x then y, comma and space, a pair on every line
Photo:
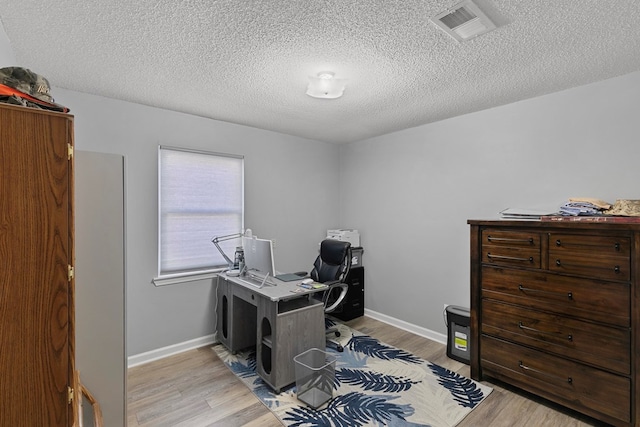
232, 271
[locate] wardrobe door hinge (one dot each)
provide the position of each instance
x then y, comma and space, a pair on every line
69, 395
69, 151
70, 272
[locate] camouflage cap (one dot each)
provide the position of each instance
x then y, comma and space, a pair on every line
26, 81
623, 207
34, 86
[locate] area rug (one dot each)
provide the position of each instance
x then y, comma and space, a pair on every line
375, 385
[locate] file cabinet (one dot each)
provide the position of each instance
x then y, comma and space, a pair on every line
555, 311
353, 304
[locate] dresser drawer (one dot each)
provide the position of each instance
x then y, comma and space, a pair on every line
596, 300
598, 345
604, 257
514, 248
578, 386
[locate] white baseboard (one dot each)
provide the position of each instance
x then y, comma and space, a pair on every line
160, 353
401, 324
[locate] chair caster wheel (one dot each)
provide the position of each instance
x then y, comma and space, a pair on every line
340, 348
337, 333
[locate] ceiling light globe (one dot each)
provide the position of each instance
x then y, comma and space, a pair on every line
326, 75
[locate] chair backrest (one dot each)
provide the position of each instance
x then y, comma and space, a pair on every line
333, 262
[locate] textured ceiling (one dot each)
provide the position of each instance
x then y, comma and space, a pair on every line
248, 62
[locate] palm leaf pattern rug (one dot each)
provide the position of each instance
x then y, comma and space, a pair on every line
375, 385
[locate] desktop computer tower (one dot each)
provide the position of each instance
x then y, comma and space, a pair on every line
353, 304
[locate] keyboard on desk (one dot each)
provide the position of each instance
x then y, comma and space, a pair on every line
256, 281
251, 282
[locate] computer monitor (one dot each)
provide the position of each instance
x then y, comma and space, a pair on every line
258, 257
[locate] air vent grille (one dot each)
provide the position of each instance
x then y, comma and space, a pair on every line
464, 21
457, 18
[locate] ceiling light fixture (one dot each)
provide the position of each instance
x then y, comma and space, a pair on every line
326, 86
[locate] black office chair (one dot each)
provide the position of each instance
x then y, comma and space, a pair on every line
331, 268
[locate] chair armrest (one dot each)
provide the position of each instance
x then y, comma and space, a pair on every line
343, 293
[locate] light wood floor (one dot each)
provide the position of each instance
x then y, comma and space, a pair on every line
195, 388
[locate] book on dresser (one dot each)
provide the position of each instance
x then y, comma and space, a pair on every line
555, 311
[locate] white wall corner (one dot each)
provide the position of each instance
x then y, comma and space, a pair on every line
7, 57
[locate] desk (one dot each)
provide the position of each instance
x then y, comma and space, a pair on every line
280, 323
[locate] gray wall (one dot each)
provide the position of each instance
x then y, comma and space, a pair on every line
412, 191
283, 176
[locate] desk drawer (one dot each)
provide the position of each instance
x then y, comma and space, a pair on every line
596, 300
245, 294
577, 386
604, 257
598, 345
512, 248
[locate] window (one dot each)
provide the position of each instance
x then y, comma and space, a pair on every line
200, 196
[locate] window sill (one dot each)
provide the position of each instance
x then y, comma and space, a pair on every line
176, 279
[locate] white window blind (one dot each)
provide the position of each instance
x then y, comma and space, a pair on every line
201, 195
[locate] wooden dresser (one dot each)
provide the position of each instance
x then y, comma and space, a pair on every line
555, 310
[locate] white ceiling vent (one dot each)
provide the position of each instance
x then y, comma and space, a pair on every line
464, 21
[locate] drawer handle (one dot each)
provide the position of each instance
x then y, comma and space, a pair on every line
507, 239
528, 328
616, 268
540, 291
528, 368
616, 245
510, 258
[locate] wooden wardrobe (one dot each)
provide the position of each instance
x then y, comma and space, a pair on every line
36, 268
